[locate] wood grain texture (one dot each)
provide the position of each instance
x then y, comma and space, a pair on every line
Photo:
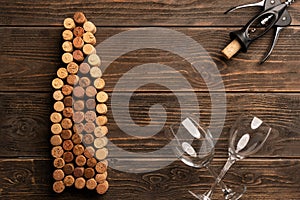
265, 179
25, 124
32, 66
30, 51
25, 127
131, 12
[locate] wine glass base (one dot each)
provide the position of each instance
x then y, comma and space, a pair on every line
199, 196
235, 193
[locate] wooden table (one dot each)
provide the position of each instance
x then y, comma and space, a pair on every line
30, 55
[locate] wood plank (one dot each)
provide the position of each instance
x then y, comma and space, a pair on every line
131, 13
265, 179
25, 127
32, 56
24, 124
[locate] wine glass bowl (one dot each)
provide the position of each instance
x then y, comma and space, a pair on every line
193, 143
247, 136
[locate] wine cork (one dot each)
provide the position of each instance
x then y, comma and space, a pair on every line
58, 163
80, 160
68, 168
58, 186
101, 120
100, 131
94, 60
80, 183
57, 83
78, 92
69, 180
67, 46
77, 138
67, 58
88, 49
62, 73
89, 173
56, 140
90, 104
99, 83
58, 95
84, 68
78, 128
101, 108
105, 162
89, 27
78, 105
91, 184
100, 178
78, 55
66, 123
90, 91
78, 149
102, 97
95, 72
91, 162
78, 117
67, 90
100, 142
79, 18
89, 152
68, 112
78, 172
72, 79
68, 145
89, 127
67, 35
78, 42
101, 154
68, 101
58, 106
55, 117
89, 38
69, 23
88, 139
90, 116
231, 49
58, 175
56, 128
78, 31
102, 187
84, 82
68, 157
101, 167
66, 134
72, 68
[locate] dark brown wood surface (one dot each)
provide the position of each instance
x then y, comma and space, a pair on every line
30, 55
33, 58
130, 13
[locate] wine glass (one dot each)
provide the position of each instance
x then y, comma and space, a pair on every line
194, 146
247, 136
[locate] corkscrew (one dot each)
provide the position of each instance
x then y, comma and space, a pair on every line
274, 15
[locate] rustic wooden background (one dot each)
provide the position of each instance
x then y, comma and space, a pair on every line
29, 57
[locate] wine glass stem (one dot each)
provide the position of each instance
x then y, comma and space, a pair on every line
228, 164
225, 189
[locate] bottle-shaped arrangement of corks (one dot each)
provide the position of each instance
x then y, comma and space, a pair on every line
79, 118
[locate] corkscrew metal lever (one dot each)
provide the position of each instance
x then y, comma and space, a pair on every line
274, 15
